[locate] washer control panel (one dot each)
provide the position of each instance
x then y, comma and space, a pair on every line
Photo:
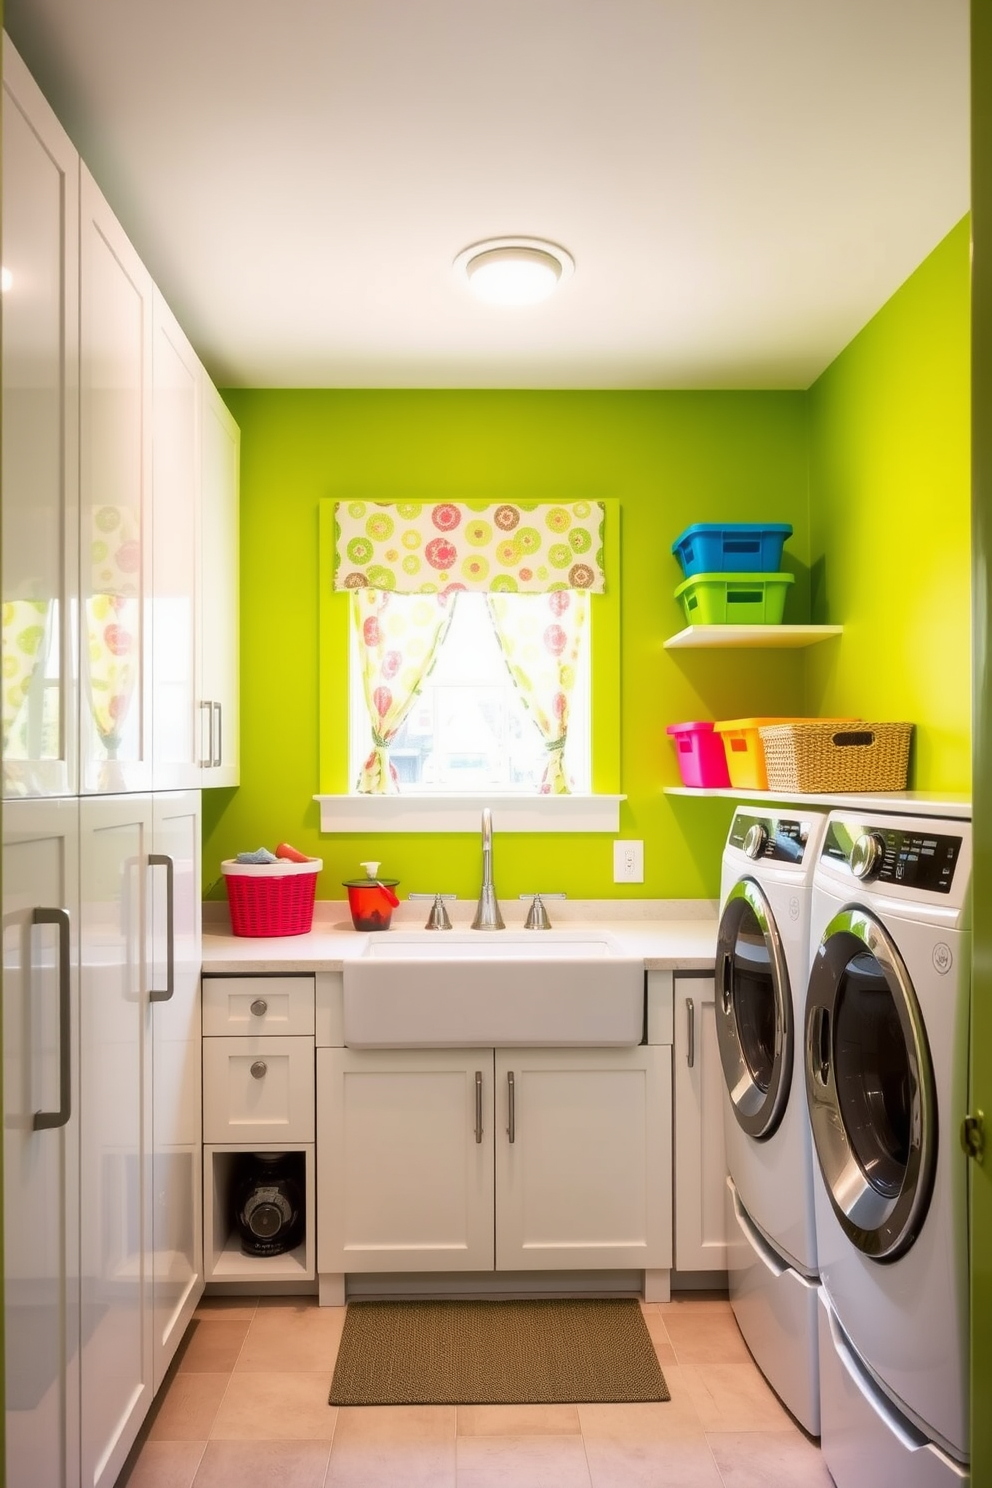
781, 839
915, 859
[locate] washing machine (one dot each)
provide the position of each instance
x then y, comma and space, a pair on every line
885, 1054
762, 959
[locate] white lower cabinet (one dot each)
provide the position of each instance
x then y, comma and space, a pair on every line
481, 1159
101, 1224
700, 1153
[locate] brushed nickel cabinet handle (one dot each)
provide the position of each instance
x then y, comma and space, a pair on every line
258, 1069
260, 1007
690, 1022
164, 994
47, 1120
478, 1105
511, 1130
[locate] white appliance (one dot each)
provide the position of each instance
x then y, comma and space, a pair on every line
762, 957
886, 1069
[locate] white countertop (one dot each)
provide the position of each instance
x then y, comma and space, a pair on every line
667, 934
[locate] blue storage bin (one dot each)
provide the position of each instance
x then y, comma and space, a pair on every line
732, 547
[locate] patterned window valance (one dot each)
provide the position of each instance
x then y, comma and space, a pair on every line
424, 547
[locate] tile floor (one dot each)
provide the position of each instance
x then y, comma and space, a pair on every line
245, 1406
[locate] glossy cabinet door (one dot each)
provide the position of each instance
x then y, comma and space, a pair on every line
41, 1142
220, 696
40, 442
174, 601
116, 614
404, 1160
700, 1152
115, 1126
173, 884
583, 1158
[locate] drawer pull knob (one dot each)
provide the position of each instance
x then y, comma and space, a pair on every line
260, 1007
258, 1069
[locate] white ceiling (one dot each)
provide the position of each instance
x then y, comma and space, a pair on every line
741, 183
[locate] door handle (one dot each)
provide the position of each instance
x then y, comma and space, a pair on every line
478, 1105
162, 860
218, 753
207, 759
690, 1027
511, 1130
48, 1120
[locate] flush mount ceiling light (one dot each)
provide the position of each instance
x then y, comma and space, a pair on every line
514, 271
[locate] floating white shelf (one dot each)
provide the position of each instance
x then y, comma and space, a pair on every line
754, 637
956, 806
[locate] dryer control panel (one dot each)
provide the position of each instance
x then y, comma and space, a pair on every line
781, 839
915, 859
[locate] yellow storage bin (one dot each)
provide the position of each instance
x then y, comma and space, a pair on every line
745, 750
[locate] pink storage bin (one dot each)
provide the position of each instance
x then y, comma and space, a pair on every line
701, 755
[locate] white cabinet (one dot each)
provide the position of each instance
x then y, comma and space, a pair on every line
219, 695
470, 1160
258, 1097
700, 1154
41, 1141
115, 489
40, 442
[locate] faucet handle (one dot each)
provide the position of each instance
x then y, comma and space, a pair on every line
438, 918
537, 915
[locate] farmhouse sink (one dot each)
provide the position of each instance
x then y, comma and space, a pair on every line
446, 989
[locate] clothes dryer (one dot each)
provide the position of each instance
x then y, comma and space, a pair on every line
885, 1053
762, 958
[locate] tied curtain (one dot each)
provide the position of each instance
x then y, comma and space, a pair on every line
406, 563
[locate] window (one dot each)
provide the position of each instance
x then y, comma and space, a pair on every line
469, 728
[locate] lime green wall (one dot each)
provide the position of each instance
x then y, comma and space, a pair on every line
890, 519
663, 459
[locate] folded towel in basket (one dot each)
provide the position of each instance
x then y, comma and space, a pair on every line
260, 855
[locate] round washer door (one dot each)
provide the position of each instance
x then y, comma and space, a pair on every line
869, 1086
753, 1010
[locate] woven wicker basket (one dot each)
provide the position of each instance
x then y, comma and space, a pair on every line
825, 756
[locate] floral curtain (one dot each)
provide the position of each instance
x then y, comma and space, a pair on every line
399, 636
540, 636
523, 547
113, 619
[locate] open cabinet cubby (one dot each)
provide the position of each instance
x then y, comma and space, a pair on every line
223, 1259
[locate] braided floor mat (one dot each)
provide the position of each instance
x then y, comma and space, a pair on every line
507, 1352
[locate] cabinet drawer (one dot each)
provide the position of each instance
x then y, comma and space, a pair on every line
257, 1005
258, 1090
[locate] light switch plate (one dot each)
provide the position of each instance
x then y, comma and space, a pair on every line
628, 862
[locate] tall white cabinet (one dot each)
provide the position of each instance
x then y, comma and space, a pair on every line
106, 482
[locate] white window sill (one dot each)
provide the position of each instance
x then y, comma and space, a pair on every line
462, 813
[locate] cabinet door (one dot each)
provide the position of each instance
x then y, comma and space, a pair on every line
115, 503
404, 1160
41, 1156
220, 697
700, 1158
583, 1158
115, 1124
176, 375
173, 987
40, 442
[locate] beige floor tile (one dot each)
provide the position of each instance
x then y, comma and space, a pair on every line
679, 1462
522, 1462
229, 1307
165, 1464
734, 1397
518, 1420
706, 1334
186, 1410
769, 1459
292, 1336
648, 1422
275, 1407
212, 1344
663, 1345
385, 1446
263, 1464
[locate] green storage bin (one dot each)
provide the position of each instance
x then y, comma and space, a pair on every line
734, 598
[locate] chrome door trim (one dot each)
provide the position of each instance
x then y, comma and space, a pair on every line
758, 1111
882, 1226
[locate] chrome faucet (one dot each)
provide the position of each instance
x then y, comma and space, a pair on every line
487, 915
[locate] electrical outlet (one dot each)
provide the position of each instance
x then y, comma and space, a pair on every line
628, 862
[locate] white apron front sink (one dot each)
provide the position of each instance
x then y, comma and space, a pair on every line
450, 989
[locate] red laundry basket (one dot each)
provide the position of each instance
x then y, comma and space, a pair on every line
271, 898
